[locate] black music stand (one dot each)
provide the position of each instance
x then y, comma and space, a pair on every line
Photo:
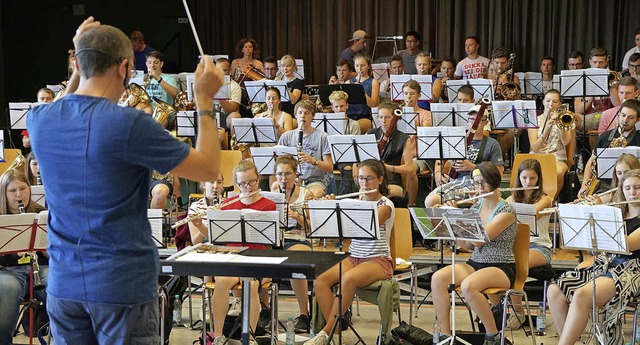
257, 90
342, 219
481, 88
451, 114
532, 84
255, 130
451, 224
243, 227
265, 157
330, 123
398, 80
441, 143
592, 82
355, 92
353, 148
514, 115
598, 229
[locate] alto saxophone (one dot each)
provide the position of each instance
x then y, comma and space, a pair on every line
592, 182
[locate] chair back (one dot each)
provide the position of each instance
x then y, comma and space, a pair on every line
228, 160
401, 244
548, 165
521, 252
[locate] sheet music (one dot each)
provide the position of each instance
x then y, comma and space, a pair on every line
465, 224
451, 114
15, 232
343, 148
263, 157
514, 114
221, 258
584, 82
453, 142
322, 218
358, 219
257, 90
481, 88
526, 214
154, 215
398, 80
2, 147
556, 81
41, 240
55, 88
224, 226
408, 121
279, 200
380, 71
185, 120
532, 83
18, 113
265, 130
606, 159
334, 123
223, 94
262, 227
374, 115
608, 227
430, 223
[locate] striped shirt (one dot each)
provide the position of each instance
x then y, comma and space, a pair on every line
364, 249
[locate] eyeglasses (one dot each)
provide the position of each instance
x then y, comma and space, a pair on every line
477, 184
368, 179
249, 183
285, 174
631, 66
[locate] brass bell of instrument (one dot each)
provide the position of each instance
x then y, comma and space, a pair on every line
162, 111
18, 163
182, 102
258, 108
614, 78
138, 97
566, 120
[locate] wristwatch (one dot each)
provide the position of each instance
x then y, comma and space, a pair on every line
207, 113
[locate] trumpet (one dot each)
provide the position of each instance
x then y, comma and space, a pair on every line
203, 213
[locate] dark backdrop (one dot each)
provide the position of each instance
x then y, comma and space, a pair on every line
36, 34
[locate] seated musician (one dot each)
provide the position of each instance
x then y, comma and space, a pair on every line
492, 264
294, 237
247, 55
45, 95
270, 67
32, 169
623, 164
396, 67
212, 197
482, 149
503, 78
447, 68
230, 108
411, 92
634, 66
295, 86
364, 77
571, 296
339, 104
530, 175
246, 178
14, 273
370, 260
627, 89
423, 67
315, 153
162, 186
395, 148
282, 120
161, 86
623, 135
550, 138
343, 73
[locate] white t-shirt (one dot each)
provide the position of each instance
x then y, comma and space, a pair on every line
625, 61
472, 69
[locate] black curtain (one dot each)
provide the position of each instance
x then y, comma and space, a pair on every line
318, 30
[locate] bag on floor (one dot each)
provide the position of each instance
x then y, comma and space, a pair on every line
411, 335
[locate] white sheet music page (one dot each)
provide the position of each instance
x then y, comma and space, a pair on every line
606, 158
453, 142
608, 227
18, 114
41, 241
224, 226
597, 82
15, 232
526, 214
397, 80
408, 122
335, 123
343, 149
154, 215
359, 218
443, 114
185, 120
262, 227
263, 157
279, 200
322, 217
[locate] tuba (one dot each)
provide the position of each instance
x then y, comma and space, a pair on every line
138, 98
566, 120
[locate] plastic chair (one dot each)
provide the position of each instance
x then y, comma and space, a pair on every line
401, 247
228, 160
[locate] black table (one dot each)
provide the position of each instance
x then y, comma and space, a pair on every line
298, 265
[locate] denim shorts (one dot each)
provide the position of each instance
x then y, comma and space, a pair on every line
546, 252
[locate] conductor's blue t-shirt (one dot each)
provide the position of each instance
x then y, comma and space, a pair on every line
96, 160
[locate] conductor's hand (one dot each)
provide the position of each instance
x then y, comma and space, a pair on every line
208, 80
86, 25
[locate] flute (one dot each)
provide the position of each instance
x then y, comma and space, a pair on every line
555, 209
344, 196
203, 213
474, 198
502, 190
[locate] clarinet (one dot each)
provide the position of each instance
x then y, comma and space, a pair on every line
38, 179
299, 149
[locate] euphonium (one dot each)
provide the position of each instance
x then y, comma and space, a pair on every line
510, 90
566, 120
162, 110
138, 97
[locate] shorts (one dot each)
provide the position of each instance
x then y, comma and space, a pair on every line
290, 242
422, 165
384, 262
164, 182
357, 117
320, 184
546, 252
508, 269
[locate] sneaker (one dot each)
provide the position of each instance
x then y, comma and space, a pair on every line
492, 340
320, 339
220, 340
236, 307
302, 324
515, 320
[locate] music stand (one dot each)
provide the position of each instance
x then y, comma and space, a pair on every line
354, 219
265, 157
451, 114
532, 84
355, 92
21, 233
244, 226
598, 229
156, 220
481, 88
257, 90
18, 114
223, 94
353, 148
442, 143
451, 224
526, 214
591, 82
255, 130
408, 121
330, 123
606, 159
398, 80
514, 115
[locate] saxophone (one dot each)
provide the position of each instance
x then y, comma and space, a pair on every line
592, 182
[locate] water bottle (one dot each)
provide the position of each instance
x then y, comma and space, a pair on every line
436, 332
541, 320
177, 310
291, 333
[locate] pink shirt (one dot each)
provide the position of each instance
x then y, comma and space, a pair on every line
609, 118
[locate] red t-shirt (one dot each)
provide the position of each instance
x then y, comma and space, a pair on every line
263, 204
